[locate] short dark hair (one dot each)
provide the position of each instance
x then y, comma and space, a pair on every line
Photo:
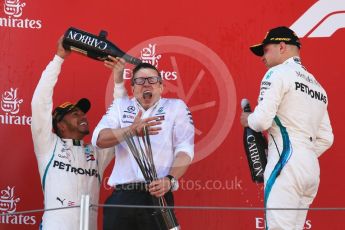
144, 65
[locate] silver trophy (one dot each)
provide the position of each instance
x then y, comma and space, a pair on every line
142, 152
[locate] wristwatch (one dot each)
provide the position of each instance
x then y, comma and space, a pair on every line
173, 182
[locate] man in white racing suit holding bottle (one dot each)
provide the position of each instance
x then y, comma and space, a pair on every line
68, 167
292, 106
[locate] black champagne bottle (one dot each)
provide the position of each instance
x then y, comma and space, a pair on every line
93, 46
255, 145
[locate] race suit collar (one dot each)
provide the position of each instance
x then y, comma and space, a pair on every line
73, 142
294, 59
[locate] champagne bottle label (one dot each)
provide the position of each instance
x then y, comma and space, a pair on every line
255, 145
93, 46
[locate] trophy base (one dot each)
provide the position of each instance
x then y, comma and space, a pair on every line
166, 219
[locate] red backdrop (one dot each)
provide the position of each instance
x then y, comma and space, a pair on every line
202, 47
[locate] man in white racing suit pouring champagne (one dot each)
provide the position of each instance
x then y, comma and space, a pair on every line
292, 106
68, 167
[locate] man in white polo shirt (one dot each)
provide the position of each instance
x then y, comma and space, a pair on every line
171, 132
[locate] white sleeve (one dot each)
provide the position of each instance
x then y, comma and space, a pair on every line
183, 130
324, 137
104, 158
41, 106
110, 120
119, 90
273, 88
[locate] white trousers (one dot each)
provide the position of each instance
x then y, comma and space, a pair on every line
295, 187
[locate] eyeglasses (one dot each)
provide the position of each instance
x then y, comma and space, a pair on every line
151, 80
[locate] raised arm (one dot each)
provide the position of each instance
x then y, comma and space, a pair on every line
42, 102
117, 65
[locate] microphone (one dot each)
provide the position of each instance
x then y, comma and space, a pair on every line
255, 146
245, 105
